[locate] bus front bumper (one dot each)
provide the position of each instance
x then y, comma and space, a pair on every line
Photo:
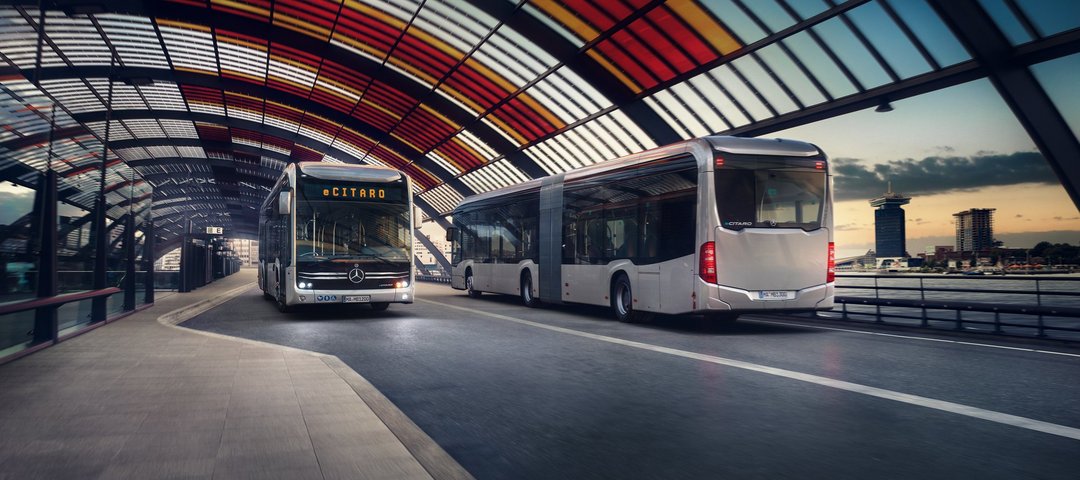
329, 297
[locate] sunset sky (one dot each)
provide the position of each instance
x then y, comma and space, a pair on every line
950, 151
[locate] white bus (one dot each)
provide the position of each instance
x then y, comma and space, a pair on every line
715, 225
337, 234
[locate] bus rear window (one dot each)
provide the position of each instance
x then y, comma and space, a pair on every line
770, 192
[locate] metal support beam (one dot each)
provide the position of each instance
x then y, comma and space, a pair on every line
439, 257
45, 324
1019, 88
148, 258
129, 276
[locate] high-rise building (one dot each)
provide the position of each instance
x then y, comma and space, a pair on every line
974, 229
889, 229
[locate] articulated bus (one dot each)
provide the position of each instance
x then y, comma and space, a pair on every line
716, 226
337, 234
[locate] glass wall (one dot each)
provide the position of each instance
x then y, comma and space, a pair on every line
18, 263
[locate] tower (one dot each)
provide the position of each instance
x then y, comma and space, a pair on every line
889, 230
974, 229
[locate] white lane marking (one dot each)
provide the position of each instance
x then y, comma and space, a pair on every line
959, 409
928, 339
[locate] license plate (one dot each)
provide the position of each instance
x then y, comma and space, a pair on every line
776, 295
357, 298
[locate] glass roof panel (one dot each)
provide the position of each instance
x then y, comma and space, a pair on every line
761, 81
740, 92
14, 32
889, 40
744, 28
191, 152
190, 46
163, 96
459, 23
820, 65
850, 50
670, 108
241, 57
770, 13
145, 128
1051, 17
134, 39
554, 25
1058, 78
442, 198
443, 162
1006, 21
931, 31
77, 39
785, 68
808, 8
720, 101
494, 176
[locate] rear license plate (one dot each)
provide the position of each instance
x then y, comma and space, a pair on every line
357, 298
776, 295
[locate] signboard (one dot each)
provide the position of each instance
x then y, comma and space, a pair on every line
214, 230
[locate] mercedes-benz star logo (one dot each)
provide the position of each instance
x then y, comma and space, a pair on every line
356, 275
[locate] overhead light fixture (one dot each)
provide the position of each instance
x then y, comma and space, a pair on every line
883, 107
138, 81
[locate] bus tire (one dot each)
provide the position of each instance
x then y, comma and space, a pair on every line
527, 297
282, 307
473, 293
380, 306
267, 296
622, 302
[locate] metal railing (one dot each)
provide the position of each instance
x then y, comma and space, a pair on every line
46, 326
1039, 306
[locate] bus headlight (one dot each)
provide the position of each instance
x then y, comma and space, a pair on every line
304, 285
402, 284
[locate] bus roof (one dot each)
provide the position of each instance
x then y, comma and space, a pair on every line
733, 145
340, 171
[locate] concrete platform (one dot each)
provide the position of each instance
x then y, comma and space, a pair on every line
142, 398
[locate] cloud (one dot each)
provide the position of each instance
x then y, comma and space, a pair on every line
847, 227
15, 205
858, 180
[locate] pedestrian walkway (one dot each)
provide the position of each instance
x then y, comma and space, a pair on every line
140, 398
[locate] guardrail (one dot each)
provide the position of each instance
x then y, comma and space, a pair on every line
433, 278
1039, 306
46, 330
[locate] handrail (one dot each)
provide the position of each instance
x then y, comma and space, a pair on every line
966, 306
16, 307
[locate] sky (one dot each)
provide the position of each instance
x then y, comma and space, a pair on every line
950, 150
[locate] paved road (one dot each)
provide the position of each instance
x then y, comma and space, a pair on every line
567, 392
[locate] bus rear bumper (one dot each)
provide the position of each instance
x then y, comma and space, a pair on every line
719, 298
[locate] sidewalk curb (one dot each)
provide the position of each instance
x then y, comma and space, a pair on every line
439, 464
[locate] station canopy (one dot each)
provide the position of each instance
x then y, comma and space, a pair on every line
200, 104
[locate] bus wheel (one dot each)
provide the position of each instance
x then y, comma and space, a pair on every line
527, 297
267, 296
622, 301
380, 306
282, 307
473, 292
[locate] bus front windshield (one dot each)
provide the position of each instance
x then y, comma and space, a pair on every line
351, 229
770, 192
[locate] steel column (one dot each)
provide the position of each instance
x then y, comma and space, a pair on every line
45, 324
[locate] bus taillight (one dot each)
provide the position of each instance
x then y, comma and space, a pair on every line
831, 275
708, 262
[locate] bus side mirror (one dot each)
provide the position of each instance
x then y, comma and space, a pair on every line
284, 206
451, 233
